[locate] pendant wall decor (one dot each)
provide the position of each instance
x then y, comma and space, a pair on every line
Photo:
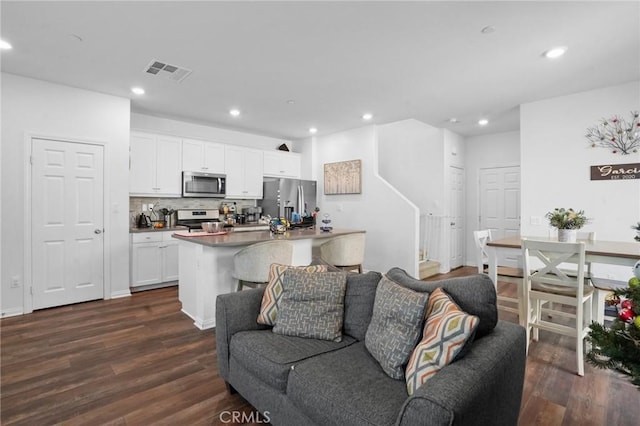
616, 134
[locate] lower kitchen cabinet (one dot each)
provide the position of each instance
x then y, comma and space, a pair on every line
154, 258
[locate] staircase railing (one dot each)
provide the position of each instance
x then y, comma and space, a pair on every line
431, 227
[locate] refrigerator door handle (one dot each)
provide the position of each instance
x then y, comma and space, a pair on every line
300, 199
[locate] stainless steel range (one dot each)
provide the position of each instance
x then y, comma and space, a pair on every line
193, 218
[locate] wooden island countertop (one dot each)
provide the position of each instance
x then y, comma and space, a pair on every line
251, 237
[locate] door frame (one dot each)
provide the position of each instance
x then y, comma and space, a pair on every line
462, 247
27, 298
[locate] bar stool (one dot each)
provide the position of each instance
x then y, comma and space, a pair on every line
251, 264
344, 251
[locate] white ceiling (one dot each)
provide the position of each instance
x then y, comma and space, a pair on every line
336, 60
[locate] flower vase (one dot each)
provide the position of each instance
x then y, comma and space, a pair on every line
567, 235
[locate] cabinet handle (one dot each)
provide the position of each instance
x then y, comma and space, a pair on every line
156, 189
205, 168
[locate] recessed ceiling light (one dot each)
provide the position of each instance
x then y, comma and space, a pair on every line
453, 120
137, 90
367, 116
483, 122
488, 29
234, 112
5, 45
291, 101
313, 130
554, 52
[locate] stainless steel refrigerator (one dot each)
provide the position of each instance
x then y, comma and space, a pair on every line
281, 197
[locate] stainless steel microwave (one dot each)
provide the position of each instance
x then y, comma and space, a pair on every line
196, 184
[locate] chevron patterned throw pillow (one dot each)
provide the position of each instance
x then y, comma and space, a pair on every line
445, 333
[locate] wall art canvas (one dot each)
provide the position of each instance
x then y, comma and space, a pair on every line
344, 177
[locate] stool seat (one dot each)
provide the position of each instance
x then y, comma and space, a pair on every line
345, 251
251, 264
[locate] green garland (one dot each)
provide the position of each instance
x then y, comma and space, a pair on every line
618, 347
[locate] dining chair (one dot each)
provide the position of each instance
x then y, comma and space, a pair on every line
546, 281
505, 274
344, 251
251, 264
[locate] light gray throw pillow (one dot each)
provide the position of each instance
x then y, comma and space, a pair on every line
396, 325
312, 305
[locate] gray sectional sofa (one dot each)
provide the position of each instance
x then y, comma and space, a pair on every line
302, 381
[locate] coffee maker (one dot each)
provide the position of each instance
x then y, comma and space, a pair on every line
252, 214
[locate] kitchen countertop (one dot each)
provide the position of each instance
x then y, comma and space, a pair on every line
247, 238
172, 229
184, 228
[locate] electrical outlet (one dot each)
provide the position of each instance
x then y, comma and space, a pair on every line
144, 207
15, 281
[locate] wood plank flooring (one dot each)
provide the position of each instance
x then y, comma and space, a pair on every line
140, 361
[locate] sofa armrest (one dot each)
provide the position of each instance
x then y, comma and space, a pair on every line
235, 312
484, 387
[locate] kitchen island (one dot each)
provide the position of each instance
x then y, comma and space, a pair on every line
206, 265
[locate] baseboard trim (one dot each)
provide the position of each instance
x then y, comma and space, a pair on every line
121, 293
12, 312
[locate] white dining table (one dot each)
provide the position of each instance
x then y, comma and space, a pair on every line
622, 253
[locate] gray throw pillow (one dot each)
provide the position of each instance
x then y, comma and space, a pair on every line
396, 325
475, 295
312, 305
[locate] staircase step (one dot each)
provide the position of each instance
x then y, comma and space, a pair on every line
429, 269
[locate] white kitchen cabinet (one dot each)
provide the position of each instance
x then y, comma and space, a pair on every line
244, 169
154, 258
202, 156
155, 165
282, 164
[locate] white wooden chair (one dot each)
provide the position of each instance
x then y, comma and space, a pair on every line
344, 251
550, 283
505, 274
251, 264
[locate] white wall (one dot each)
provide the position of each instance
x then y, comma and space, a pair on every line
410, 155
179, 128
556, 160
483, 152
391, 221
34, 106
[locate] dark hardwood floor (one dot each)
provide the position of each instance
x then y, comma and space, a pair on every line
140, 361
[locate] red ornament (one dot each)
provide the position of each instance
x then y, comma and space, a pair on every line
625, 315
626, 304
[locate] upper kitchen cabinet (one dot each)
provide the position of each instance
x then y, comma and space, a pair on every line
244, 169
155, 165
202, 156
282, 164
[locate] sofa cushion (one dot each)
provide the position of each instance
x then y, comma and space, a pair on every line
447, 330
398, 314
346, 387
358, 302
273, 291
312, 305
475, 296
269, 356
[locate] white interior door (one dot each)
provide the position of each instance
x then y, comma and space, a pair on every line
456, 214
500, 204
67, 220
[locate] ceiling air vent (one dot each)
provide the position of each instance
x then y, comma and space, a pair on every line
172, 72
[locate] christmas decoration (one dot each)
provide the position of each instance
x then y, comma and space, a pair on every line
618, 347
616, 134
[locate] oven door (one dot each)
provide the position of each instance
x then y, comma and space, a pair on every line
203, 185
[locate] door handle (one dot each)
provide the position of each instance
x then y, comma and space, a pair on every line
452, 223
97, 231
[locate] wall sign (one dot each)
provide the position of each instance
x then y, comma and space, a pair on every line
616, 171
